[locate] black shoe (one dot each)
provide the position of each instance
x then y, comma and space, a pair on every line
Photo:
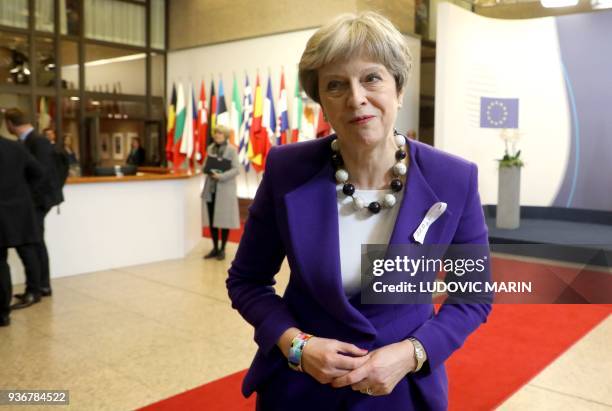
44, 292
221, 255
5, 320
214, 253
27, 300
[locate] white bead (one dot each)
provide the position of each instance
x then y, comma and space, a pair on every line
335, 146
400, 140
358, 203
389, 200
399, 169
342, 176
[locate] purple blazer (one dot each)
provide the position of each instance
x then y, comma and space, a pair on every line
294, 214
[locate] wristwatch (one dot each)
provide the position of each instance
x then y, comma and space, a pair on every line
419, 354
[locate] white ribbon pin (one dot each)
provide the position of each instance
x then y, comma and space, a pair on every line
432, 215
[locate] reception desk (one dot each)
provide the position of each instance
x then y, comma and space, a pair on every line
111, 222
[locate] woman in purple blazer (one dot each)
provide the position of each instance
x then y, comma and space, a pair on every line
319, 347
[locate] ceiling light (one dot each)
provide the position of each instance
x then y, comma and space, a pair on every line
558, 3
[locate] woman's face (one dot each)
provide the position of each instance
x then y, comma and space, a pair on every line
219, 137
360, 99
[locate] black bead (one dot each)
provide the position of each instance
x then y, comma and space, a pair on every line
337, 160
348, 189
374, 207
396, 184
400, 154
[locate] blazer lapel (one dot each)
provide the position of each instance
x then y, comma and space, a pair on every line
313, 228
418, 198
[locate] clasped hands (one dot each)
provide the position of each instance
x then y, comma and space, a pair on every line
342, 364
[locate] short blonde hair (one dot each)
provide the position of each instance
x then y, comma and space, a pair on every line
350, 35
223, 130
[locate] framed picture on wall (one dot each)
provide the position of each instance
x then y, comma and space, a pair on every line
128, 142
118, 148
105, 146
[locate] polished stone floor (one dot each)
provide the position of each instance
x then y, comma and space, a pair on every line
125, 338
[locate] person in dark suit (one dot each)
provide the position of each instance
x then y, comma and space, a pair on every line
137, 153
18, 222
45, 195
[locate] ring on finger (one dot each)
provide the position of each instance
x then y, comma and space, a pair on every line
368, 391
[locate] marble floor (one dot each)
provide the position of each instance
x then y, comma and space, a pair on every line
124, 338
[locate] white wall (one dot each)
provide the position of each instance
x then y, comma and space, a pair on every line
109, 225
269, 54
484, 57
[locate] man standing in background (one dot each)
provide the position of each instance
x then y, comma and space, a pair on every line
45, 195
18, 224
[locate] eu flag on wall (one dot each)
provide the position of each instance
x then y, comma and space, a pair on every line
498, 112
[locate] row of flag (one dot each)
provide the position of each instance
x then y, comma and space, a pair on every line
251, 117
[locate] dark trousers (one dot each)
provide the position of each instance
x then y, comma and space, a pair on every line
6, 286
35, 258
214, 231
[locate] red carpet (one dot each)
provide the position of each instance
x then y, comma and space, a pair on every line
511, 348
516, 343
221, 395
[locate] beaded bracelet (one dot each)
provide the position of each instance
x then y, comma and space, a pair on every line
295, 351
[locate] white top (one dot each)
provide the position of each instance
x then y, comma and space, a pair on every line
361, 227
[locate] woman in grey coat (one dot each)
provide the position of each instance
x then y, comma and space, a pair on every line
219, 198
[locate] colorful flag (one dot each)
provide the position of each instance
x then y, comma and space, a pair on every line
202, 127
259, 140
323, 127
235, 114
282, 128
171, 124
310, 114
213, 114
177, 158
186, 148
269, 114
498, 112
245, 126
44, 119
223, 116
296, 113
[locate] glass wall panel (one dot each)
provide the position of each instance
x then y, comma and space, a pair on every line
158, 74
14, 62
111, 69
158, 24
115, 21
70, 17
14, 13
44, 13
70, 64
158, 111
44, 64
